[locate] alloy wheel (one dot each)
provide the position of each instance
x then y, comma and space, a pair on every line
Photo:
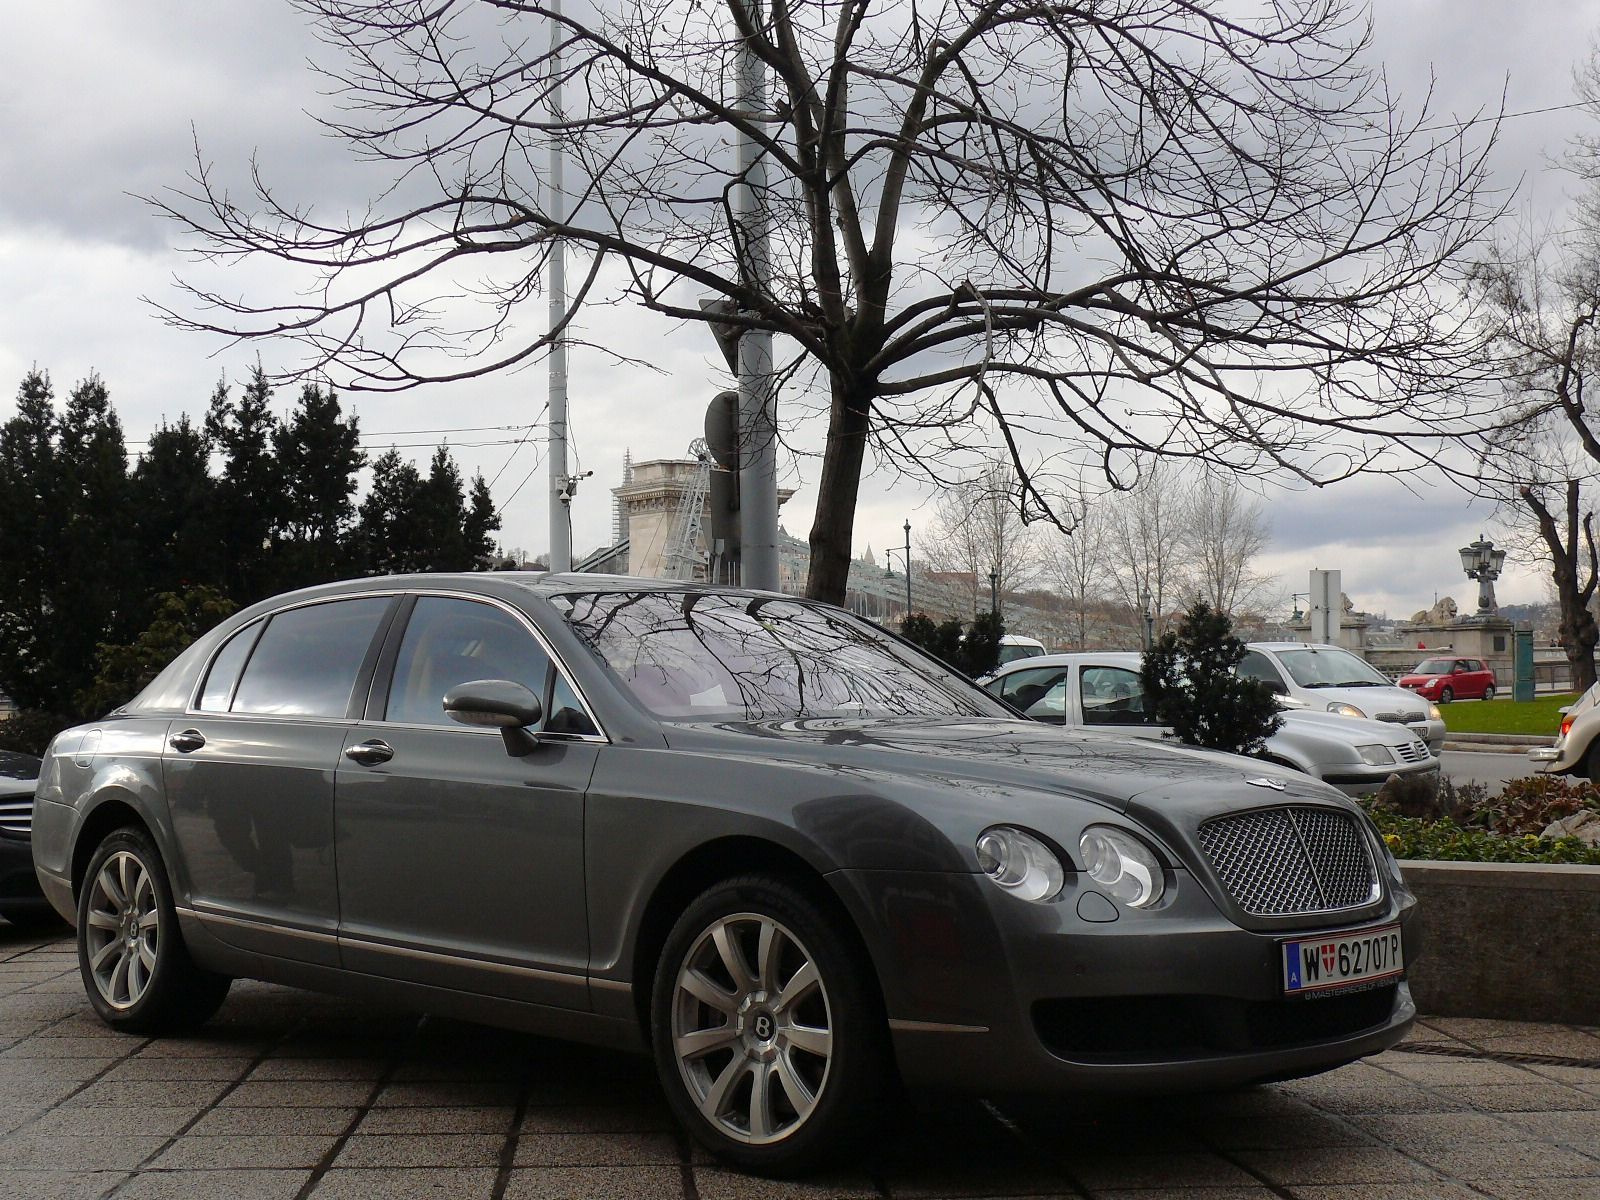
752, 1028
123, 929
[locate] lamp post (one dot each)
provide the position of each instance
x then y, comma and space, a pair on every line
1149, 619
888, 569
1481, 561
994, 591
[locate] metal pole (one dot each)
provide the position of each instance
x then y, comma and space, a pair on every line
758, 457
560, 497
908, 566
994, 592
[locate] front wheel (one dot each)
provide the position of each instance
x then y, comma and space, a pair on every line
769, 1037
1488, 692
1446, 695
135, 967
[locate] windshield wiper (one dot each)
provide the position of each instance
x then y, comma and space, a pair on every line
1360, 683
1315, 685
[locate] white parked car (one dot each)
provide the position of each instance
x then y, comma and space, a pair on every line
1577, 746
1014, 646
1331, 679
1103, 690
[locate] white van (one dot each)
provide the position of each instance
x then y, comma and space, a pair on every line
1013, 647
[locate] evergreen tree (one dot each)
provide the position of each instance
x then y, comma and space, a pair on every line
441, 516
175, 511
387, 536
29, 544
124, 670
1189, 677
101, 585
318, 453
482, 520
251, 491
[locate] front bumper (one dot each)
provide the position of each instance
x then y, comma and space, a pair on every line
1365, 780
987, 992
19, 885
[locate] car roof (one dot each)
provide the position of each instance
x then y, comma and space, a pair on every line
541, 583
1291, 646
1110, 658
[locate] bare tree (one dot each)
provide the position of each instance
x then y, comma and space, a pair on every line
1073, 562
1143, 225
1223, 534
1145, 531
977, 529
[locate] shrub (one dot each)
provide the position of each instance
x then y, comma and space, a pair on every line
1189, 677
1529, 805
1413, 837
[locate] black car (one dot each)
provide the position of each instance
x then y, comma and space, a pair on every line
788, 854
21, 901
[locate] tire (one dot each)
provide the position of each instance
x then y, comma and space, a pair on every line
135, 967
1446, 695
1488, 692
777, 1067
1590, 768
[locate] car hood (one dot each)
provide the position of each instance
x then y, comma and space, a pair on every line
1376, 702
1351, 731
1415, 679
1111, 770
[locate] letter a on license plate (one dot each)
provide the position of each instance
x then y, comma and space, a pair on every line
1342, 960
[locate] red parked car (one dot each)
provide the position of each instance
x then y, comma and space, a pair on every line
1447, 679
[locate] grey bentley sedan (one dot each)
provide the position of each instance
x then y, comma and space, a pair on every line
790, 856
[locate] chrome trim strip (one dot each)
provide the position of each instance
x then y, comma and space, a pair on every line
217, 918
903, 1026
461, 960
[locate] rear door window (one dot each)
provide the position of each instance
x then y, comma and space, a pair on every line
1113, 696
307, 660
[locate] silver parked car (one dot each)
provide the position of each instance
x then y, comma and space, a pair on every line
1102, 690
790, 856
1320, 678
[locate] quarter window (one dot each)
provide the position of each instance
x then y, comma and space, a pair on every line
451, 642
307, 660
1040, 693
225, 668
1255, 665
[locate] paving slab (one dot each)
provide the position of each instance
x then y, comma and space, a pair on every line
291, 1096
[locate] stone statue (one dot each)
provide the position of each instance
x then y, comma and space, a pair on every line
1441, 613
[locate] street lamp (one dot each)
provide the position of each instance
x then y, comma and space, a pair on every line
1149, 619
1481, 561
888, 568
994, 591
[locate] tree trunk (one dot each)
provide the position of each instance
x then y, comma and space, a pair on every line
1579, 636
837, 492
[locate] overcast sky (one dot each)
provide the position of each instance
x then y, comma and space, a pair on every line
100, 101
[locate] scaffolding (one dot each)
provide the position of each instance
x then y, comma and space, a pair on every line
684, 557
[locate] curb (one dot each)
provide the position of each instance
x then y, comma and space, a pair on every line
1463, 741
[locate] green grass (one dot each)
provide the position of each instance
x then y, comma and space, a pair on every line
1538, 716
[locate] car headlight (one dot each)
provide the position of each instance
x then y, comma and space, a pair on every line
1123, 865
1345, 710
1021, 863
1376, 756
1434, 714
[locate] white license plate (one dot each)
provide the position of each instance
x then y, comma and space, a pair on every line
1343, 960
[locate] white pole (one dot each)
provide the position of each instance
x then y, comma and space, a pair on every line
560, 499
758, 455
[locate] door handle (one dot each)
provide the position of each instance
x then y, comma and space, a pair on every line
370, 753
189, 739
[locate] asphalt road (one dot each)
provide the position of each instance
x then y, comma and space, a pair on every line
1493, 770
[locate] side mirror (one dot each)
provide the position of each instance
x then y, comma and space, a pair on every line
500, 704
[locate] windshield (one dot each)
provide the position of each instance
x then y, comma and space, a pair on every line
1010, 654
709, 656
1330, 668
1435, 666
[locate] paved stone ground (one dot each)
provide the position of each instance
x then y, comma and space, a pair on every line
287, 1095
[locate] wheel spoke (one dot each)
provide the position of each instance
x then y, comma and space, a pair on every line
703, 1041
99, 958
761, 1101
716, 1097
102, 920
148, 958
119, 977
769, 948
124, 861
800, 983
732, 956
800, 1096
109, 888
704, 990
137, 977
149, 921
811, 1039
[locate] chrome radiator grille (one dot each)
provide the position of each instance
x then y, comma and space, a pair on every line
1414, 752
1283, 861
16, 814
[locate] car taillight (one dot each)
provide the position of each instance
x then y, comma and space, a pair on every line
1566, 724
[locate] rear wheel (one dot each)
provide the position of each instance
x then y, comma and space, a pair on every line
769, 1038
1488, 692
135, 967
1446, 695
